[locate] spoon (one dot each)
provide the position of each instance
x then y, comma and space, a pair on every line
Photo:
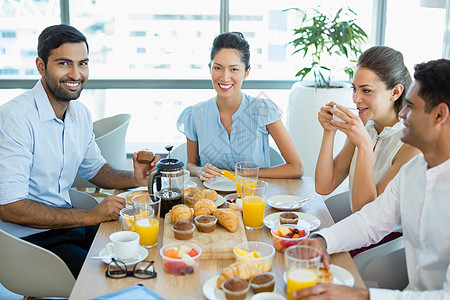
299, 202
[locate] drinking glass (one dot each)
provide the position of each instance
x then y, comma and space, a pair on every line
146, 218
302, 267
254, 194
245, 170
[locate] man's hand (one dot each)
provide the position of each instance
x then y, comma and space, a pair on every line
332, 291
142, 171
319, 243
108, 209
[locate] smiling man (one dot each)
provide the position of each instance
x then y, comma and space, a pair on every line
417, 198
46, 137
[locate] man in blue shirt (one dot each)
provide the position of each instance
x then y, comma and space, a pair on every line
45, 139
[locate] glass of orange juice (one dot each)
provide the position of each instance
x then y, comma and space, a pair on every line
148, 228
245, 170
146, 224
254, 194
302, 266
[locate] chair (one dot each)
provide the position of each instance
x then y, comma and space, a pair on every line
110, 137
339, 206
180, 153
33, 271
384, 266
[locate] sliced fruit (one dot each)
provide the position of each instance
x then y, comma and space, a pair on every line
184, 249
172, 252
229, 175
255, 254
284, 230
193, 253
242, 252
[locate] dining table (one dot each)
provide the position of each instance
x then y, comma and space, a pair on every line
92, 281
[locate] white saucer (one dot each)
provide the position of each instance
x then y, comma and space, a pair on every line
211, 292
220, 184
140, 256
340, 276
314, 222
219, 200
284, 202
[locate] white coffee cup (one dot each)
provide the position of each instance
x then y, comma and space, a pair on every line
267, 296
352, 109
124, 244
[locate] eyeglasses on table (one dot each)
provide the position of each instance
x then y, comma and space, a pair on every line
142, 270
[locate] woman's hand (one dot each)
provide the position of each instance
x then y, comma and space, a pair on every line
208, 172
325, 116
353, 128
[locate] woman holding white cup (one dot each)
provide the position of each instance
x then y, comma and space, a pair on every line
373, 152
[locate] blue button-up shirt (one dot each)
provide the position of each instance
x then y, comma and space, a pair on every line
249, 137
40, 154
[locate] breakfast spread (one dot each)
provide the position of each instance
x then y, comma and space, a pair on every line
194, 194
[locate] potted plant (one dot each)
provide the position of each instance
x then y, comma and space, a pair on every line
328, 43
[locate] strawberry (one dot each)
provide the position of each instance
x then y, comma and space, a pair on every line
193, 253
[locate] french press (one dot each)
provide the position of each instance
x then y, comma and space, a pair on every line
169, 182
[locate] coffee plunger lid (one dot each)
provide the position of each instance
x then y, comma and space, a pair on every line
169, 164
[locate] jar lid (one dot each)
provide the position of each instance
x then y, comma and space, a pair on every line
169, 164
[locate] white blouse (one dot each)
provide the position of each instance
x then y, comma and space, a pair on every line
386, 144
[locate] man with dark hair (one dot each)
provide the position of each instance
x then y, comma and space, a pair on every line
45, 139
417, 198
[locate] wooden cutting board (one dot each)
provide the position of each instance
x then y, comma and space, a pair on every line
215, 245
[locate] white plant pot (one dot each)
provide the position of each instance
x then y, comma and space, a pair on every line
302, 123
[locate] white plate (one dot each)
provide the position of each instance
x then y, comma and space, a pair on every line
284, 202
220, 184
140, 256
211, 292
340, 276
314, 222
219, 200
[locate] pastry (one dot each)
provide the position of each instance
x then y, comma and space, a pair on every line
204, 207
289, 218
264, 282
235, 288
237, 269
145, 157
205, 223
130, 195
324, 276
183, 230
181, 212
194, 194
227, 218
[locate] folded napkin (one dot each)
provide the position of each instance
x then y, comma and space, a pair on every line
136, 292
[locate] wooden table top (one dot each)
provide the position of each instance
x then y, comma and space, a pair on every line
93, 283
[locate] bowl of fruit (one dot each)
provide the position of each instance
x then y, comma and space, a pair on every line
288, 235
258, 253
181, 258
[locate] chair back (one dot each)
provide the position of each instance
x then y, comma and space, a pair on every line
384, 266
82, 200
110, 136
32, 271
339, 206
180, 152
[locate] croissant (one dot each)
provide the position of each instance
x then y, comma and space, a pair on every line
237, 269
181, 212
227, 218
204, 207
194, 194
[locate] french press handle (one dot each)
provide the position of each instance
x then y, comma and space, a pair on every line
155, 176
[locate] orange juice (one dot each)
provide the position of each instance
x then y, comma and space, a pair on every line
148, 231
253, 211
298, 279
251, 183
